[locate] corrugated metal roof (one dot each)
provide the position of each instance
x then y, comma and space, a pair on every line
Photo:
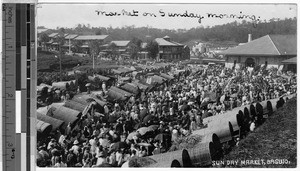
267, 45
50, 42
163, 42
71, 36
53, 35
85, 46
40, 30
121, 43
91, 37
285, 44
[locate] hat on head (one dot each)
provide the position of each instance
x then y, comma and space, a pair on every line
101, 154
76, 142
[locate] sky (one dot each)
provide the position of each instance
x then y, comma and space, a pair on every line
70, 15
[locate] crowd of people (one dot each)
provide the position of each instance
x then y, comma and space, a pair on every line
170, 111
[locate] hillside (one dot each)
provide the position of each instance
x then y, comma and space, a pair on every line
275, 142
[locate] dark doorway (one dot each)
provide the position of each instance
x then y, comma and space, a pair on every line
249, 62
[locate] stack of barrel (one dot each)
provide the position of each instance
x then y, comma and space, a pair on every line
221, 129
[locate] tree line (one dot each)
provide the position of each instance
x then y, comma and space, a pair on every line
233, 31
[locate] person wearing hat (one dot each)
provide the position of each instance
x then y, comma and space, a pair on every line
119, 125
75, 147
93, 143
61, 139
51, 143
157, 149
44, 153
71, 158
100, 158
68, 129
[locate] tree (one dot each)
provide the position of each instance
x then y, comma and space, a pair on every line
98, 32
94, 46
186, 53
113, 50
135, 47
152, 49
61, 37
44, 38
61, 42
77, 45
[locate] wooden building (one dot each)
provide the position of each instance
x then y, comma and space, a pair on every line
269, 50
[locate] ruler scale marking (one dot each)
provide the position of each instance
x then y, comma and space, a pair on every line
18, 95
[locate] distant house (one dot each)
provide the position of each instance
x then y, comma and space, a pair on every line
119, 49
170, 50
53, 42
85, 39
269, 50
290, 64
69, 41
121, 45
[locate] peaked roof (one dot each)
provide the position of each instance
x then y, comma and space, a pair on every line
40, 30
267, 45
163, 42
286, 44
166, 37
53, 34
121, 42
91, 37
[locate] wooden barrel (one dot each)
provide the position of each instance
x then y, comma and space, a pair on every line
240, 118
212, 138
246, 115
259, 113
167, 159
287, 97
43, 127
234, 116
56, 123
280, 102
273, 103
175, 163
266, 110
270, 108
243, 119
223, 130
202, 154
252, 111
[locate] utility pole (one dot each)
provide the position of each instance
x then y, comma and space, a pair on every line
93, 61
60, 56
69, 45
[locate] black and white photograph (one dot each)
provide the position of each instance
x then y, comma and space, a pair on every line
161, 85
